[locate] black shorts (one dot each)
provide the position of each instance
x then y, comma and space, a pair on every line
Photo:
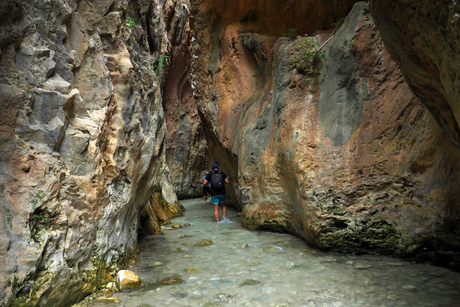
206, 190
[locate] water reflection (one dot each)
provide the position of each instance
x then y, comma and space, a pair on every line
247, 268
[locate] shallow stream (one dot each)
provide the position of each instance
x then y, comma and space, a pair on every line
252, 268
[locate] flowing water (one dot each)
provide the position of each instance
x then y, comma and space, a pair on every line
251, 268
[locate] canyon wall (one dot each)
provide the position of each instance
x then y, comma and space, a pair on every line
423, 38
336, 149
336, 129
82, 133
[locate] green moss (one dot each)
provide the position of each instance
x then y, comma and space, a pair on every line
329, 202
290, 32
348, 235
307, 58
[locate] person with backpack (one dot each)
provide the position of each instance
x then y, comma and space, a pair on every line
218, 179
206, 189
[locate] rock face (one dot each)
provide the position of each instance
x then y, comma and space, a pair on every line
111, 108
338, 150
423, 38
82, 133
186, 146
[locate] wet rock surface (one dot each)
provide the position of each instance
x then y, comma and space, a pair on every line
128, 280
81, 155
300, 276
345, 155
423, 38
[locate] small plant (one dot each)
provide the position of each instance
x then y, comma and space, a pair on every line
131, 23
290, 32
162, 62
307, 58
345, 42
339, 22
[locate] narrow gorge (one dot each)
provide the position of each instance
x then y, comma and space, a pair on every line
336, 121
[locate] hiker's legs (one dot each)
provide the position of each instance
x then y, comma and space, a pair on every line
216, 201
224, 210
216, 212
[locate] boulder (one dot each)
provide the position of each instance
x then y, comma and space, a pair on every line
127, 280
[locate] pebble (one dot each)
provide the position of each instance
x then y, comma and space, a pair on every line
203, 242
221, 298
192, 270
394, 263
327, 259
155, 264
171, 281
290, 265
362, 266
111, 286
249, 282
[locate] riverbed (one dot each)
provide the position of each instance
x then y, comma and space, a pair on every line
198, 262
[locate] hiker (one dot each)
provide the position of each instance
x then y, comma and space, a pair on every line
217, 178
206, 188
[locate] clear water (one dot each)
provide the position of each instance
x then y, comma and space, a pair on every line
251, 268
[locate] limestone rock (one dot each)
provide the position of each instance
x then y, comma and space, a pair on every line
249, 282
203, 242
128, 280
345, 156
171, 281
82, 154
422, 37
192, 270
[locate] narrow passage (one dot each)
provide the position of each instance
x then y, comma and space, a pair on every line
252, 268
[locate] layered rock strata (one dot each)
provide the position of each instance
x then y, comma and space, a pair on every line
423, 38
341, 152
82, 133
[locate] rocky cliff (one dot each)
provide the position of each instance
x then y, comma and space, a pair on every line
422, 37
330, 126
82, 163
321, 133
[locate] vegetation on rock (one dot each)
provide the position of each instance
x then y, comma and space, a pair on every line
307, 58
